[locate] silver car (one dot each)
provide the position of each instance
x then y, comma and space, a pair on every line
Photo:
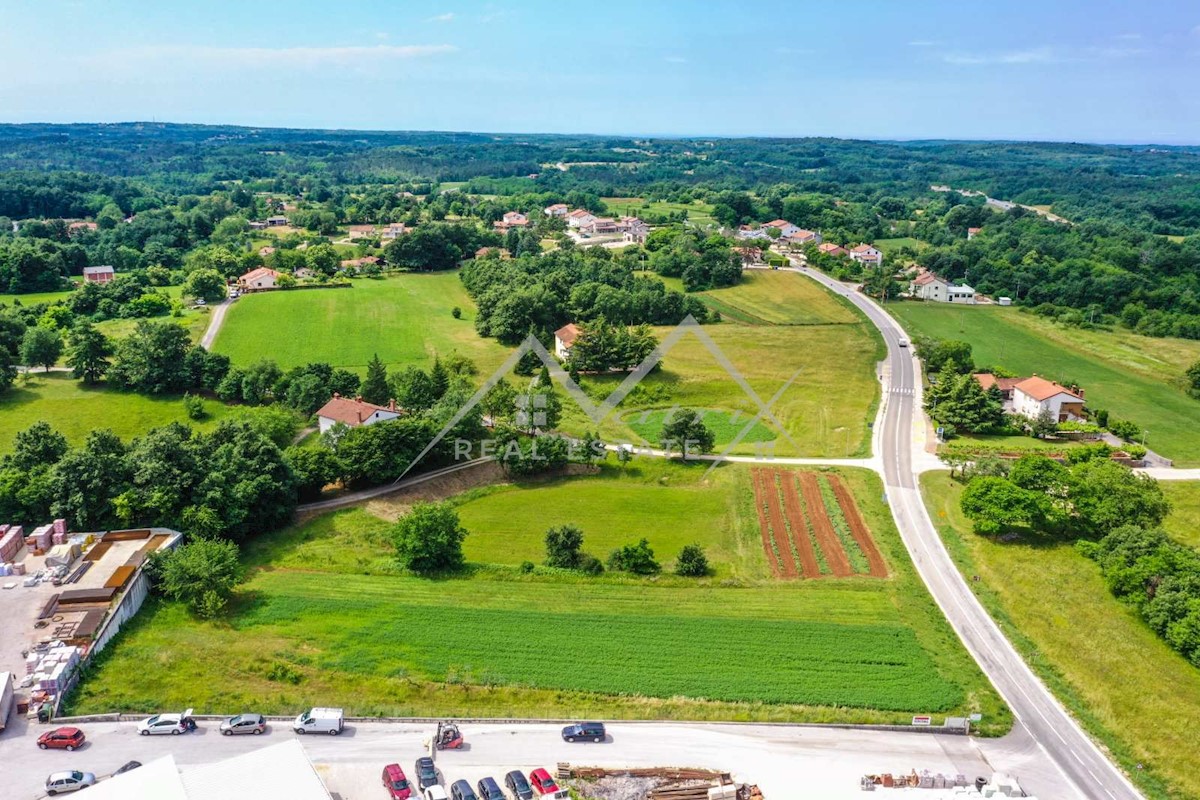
69, 781
244, 723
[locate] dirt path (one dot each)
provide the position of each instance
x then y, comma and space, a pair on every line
770, 494
795, 515
764, 526
858, 528
214, 324
835, 556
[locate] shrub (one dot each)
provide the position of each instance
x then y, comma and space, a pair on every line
281, 672
456, 312
1125, 429
563, 546
590, 565
194, 406
636, 558
527, 567
429, 539
692, 562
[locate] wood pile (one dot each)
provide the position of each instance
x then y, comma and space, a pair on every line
668, 773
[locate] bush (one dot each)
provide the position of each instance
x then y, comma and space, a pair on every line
527, 567
194, 406
201, 573
636, 558
429, 539
590, 565
456, 312
1125, 429
280, 672
563, 546
692, 562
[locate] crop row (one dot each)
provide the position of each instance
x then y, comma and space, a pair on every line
858, 561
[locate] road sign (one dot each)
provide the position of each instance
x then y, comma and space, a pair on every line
924, 722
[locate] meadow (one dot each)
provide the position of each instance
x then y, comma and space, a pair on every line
75, 408
768, 297
1135, 377
404, 319
497, 641
698, 212
1123, 683
1183, 522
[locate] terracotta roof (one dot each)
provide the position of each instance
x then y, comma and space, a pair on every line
974, 230
353, 412
556, 206
803, 234
862, 248
261, 272
776, 223
829, 247
567, 334
579, 212
926, 278
1041, 389
361, 228
987, 380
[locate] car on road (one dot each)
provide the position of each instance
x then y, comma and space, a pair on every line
902, 342
396, 783
71, 780
426, 773
127, 766
489, 789
584, 732
162, 724
544, 785
61, 739
435, 792
461, 790
516, 787
320, 720
244, 723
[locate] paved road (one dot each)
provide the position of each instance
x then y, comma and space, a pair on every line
214, 323
1090, 772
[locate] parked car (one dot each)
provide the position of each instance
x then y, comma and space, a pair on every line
396, 783
489, 789
435, 792
461, 790
516, 787
244, 723
69, 781
127, 766
61, 739
584, 732
426, 773
161, 724
320, 720
544, 785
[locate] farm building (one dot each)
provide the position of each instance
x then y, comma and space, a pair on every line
354, 412
102, 274
261, 278
273, 222
564, 340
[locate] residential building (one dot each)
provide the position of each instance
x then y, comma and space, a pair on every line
360, 232
784, 227
579, 217
831, 249
801, 237
633, 229
276, 221
961, 294
971, 232
928, 286
357, 264
564, 340
556, 210
865, 254
747, 232
1005, 385
354, 412
75, 228
599, 225
257, 279
102, 274
515, 219
394, 231
1032, 396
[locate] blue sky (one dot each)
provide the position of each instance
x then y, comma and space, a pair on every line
1071, 70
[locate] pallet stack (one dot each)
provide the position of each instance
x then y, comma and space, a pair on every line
11, 540
58, 533
39, 540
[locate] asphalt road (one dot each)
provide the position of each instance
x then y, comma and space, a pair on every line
1050, 725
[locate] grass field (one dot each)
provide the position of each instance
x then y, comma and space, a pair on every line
1134, 377
498, 642
698, 212
889, 246
766, 297
405, 319
1129, 689
1183, 522
75, 409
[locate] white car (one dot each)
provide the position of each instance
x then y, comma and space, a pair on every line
903, 342
160, 724
69, 781
436, 792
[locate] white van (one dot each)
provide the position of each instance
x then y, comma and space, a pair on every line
320, 720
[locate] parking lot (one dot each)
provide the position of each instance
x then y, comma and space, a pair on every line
827, 763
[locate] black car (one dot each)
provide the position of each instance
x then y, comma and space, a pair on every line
426, 773
127, 766
489, 790
518, 786
461, 790
584, 732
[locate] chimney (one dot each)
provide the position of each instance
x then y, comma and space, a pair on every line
392, 404
358, 398
337, 395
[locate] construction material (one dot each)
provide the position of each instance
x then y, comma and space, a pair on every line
97, 552
125, 536
73, 596
48, 609
11, 542
6, 697
79, 572
120, 577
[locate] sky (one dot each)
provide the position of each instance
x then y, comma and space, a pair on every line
1067, 70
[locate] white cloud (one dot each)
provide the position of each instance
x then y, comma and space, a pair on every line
447, 17
675, 59
1040, 55
282, 57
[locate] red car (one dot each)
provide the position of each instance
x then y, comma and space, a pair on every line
542, 783
61, 739
395, 782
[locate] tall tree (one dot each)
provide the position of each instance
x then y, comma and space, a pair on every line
39, 445
375, 385
88, 352
41, 347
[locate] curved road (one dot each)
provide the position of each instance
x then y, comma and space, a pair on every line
1050, 725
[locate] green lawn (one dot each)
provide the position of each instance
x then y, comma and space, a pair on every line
698, 212
889, 246
1134, 377
1127, 687
33, 298
497, 642
406, 319
778, 298
1184, 520
74, 408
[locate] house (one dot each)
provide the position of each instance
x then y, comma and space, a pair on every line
802, 237
360, 232
928, 286
515, 219
747, 232
103, 274
784, 227
273, 222
600, 225
266, 251
556, 210
304, 272
394, 231
261, 278
357, 264
1005, 385
1032, 396
564, 340
961, 294
354, 412
971, 232
499, 251
578, 218
831, 249
865, 254
76, 228
633, 229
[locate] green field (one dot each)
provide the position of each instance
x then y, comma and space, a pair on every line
1183, 522
1127, 687
499, 642
889, 246
698, 212
75, 409
1134, 377
405, 319
766, 297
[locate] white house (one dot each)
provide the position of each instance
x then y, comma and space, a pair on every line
963, 295
928, 286
746, 232
633, 229
261, 278
865, 254
556, 210
1033, 395
784, 227
354, 412
515, 219
394, 231
564, 340
579, 217
801, 237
